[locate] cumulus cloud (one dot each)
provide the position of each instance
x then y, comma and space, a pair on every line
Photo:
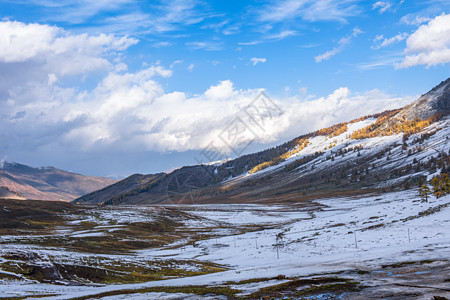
257, 60
56, 50
222, 90
429, 45
35, 61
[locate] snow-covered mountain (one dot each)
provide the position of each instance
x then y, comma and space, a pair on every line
435, 101
391, 150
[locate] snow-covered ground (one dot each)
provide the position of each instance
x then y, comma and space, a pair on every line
339, 234
329, 235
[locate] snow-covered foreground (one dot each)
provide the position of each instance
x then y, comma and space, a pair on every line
330, 236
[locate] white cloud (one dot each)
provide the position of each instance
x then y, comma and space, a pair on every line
382, 6
343, 42
131, 111
206, 45
249, 43
162, 44
56, 50
35, 61
429, 45
282, 35
378, 38
388, 61
190, 67
416, 20
175, 122
221, 91
52, 78
257, 60
176, 62
310, 10
116, 106
231, 30
328, 54
388, 41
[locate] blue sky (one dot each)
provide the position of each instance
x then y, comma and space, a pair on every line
113, 88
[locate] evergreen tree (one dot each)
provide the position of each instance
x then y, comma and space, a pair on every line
424, 192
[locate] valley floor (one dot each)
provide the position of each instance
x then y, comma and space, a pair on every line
389, 245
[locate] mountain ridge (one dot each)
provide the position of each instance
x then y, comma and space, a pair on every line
48, 183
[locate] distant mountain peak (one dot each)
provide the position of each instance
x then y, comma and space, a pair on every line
47, 183
436, 101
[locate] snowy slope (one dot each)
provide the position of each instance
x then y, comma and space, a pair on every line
364, 156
